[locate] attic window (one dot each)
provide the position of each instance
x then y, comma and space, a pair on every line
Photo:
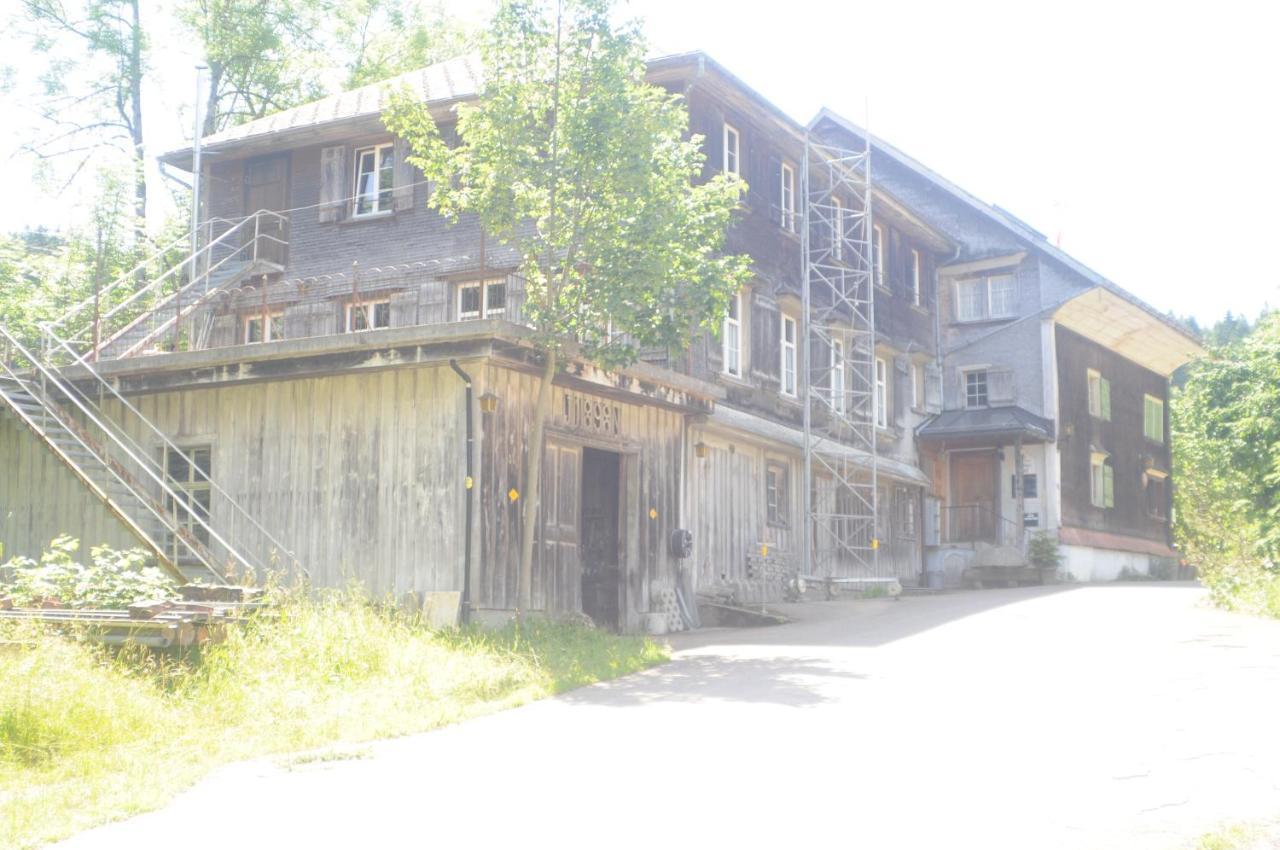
482, 299
731, 150
375, 178
788, 197
255, 330
368, 315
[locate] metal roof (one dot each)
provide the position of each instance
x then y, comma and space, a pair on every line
990, 422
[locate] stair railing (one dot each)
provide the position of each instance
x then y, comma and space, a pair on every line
147, 303
270, 549
127, 469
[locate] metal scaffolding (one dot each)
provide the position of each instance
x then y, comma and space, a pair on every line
839, 374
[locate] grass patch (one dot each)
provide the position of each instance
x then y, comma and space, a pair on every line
87, 735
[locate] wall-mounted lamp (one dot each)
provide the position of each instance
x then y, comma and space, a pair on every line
700, 450
488, 403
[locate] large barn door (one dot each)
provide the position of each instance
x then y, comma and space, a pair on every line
557, 582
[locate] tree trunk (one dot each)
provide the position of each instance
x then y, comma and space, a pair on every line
533, 482
211, 99
135, 128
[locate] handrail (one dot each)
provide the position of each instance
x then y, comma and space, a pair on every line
52, 377
165, 441
1002, 530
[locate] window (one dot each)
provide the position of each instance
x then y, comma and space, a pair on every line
837, 376
374, 179
882, 393
1157, 495
368, 315
975, 388
913, 277
1029, 486
1102, 485
732, 337
187, 472
775, 493
906, 512
731, 151
878, 254
787, 197
1153, 418
483, 299
1099, 395
985, 298
837, 229
788, 364
917, 386
255, 330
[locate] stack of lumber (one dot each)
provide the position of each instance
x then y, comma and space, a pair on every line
200, 616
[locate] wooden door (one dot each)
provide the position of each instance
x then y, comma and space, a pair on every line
972, 512
557, 579
266, 188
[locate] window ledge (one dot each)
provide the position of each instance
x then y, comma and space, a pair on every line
983, 321
377, 216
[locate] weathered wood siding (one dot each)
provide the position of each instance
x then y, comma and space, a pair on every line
40, 498
650, 441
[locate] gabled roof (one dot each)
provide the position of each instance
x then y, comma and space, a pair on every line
1010, 224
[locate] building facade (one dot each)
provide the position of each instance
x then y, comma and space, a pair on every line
346, 382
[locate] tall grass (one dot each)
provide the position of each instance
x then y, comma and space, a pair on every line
87, 735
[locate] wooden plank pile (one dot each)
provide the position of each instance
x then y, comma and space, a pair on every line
200, 616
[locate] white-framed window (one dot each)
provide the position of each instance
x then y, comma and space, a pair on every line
882, 393
838, 392
877, 250
837, 229
981, 298
913, 279
257, 330
189, 470
787, 198
374, 173
775, 493
368, 315
1153, 418
1102, 481
731, 337
482, 299
732, 151
975, 388
917, 385
787, 366
1099, 395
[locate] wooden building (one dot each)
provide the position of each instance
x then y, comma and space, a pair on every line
317, 383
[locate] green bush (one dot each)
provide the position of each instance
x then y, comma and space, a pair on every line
111, 579
1043, 552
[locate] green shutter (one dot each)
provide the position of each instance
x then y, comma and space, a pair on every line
1105, 386
1108, 485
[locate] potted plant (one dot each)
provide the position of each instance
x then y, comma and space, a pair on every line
1043, 554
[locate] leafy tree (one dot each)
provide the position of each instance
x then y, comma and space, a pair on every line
588, 171
1227, 461
389, 37
263, 55
92, 85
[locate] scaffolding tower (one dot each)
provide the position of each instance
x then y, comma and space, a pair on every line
839, 374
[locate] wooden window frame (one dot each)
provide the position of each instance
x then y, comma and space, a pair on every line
787, 196
196, 490
785, 348
971, 398
274, 318
1099, 394
877, 252
736, 168
732, 323
1148, 400
487, 310
370, 309
882, 393
777, 487
1102, 489
915, 277
985, 286
384, 160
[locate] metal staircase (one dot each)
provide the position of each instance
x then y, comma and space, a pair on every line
195, 529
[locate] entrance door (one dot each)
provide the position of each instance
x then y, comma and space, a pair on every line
557, 582
972, 513
266, 188
601, 573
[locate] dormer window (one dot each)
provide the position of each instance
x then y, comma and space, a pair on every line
368, 315
375, 177
981, 298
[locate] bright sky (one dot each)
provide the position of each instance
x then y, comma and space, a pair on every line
1144, 135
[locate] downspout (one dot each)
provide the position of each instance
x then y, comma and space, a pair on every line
465, 608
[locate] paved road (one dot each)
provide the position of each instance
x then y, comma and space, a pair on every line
1123, 716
